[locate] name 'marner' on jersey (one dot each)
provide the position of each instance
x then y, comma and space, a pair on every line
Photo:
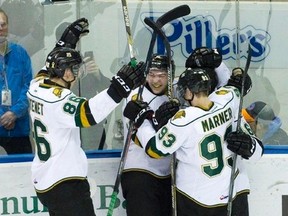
197, 136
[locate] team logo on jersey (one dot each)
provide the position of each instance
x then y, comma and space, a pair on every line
57, 92
179, 114
222, 92
135, 97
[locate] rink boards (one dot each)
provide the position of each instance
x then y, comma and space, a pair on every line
268, 177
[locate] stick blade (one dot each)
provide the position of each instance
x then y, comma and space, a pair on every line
174, 13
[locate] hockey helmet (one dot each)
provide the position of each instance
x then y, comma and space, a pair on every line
160, 62
195, 79
62, 58
259, 110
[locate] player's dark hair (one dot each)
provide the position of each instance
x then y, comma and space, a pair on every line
195, 79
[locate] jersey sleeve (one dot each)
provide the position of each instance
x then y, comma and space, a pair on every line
80, 112
71, 110
223, 73
101, 105
168, 139
145, 132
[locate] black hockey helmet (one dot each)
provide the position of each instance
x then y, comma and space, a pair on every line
195, 79
62, 58
160, 62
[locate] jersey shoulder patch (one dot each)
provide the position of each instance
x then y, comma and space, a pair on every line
180, 114
222, 92
57, 92
134, 97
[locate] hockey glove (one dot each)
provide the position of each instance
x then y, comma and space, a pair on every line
73, 32
166, 111
138, 111
126, 79
241, 144
204, 57
236, 80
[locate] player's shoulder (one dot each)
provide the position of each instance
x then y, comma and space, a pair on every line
225, 92
38, 89
186, 116
147, 96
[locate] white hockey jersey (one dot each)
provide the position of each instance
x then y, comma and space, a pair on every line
56, 116
198, 138
137, 159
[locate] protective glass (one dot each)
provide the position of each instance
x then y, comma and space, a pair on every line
79, 71
179, 93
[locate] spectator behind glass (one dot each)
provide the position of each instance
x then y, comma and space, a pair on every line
16, 74
265, 124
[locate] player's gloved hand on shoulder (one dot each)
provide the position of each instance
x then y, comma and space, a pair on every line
236, 80
73, 32
241, 144
138, 111
166, 111
127, 78
204, 57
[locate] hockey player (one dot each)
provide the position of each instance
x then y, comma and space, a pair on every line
139, 168
153, 199
211, 60
201, 137
59, 168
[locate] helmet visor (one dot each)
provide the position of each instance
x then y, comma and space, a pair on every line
79, 71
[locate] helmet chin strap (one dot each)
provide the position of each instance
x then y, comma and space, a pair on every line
190, 100
68, 82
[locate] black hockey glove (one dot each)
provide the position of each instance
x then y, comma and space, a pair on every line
73, 32
138, 111
204, 57
126, 79
166, 111
236, 80
241, 144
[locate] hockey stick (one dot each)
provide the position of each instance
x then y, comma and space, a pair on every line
234, 158
157, 29
128, 31
165, 18
222, 16
175, 13
266, 38
237, 22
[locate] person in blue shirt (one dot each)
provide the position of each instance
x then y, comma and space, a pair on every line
16, 74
